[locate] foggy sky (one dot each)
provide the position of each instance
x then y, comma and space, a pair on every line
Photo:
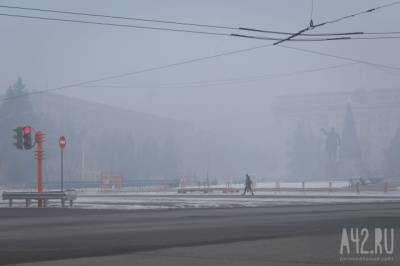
51, 54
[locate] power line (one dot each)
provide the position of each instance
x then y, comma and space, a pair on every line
161, 28
292, 35
219, 82
312, 10
78, 84
157, 28
202, 32
186, 23
312, 26
209, 83
113, 24
359, 13
165, 21
298, 40
380, 33
374, 38
213, 56
342, 57
330, 34
341, 38
304, 34
189, 61
118, 17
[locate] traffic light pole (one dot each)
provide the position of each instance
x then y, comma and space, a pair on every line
62, 141
62, 169
39, 138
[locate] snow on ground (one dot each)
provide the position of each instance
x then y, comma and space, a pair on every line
199, 201
170, 199
203, 201
310, 184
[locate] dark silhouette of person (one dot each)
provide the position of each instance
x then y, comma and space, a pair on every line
332, 143
358, 187
248, 186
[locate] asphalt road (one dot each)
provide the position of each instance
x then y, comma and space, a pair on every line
279, 235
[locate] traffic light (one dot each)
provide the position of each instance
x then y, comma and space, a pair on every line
27, 131
18, 138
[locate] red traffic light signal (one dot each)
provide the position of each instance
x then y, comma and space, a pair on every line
27, 130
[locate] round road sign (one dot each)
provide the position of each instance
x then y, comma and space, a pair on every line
62, 141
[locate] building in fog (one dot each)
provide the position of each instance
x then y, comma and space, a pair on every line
106, 140
299, 118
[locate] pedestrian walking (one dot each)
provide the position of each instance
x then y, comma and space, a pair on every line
248, 186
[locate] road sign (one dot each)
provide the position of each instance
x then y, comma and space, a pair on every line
62, 142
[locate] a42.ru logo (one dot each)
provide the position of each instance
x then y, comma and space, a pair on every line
356, 241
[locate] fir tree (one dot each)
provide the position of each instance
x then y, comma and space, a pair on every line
350, 145
16, 166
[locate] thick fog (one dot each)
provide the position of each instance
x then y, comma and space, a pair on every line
50, 54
